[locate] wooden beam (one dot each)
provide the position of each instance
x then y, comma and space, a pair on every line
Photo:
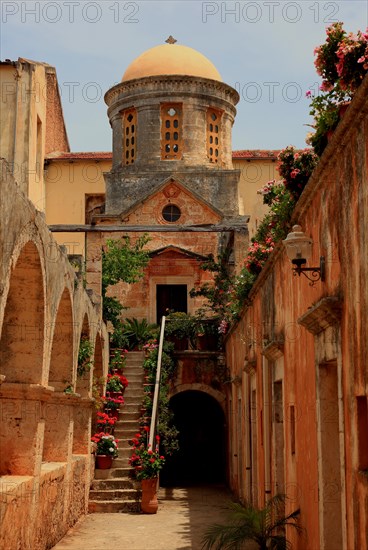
145, 228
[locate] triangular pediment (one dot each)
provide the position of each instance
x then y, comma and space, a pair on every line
176, 251
193, 209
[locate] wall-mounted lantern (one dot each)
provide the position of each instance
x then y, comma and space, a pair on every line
299, 248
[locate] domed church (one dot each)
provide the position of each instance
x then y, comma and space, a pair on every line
171, 118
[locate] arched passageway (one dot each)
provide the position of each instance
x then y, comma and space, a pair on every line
22, 337
202, 455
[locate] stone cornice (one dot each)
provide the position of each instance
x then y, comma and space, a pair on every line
324, 314
160, 83
36, 392
273, 350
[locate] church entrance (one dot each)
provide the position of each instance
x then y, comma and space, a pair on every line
202, 455
171, 298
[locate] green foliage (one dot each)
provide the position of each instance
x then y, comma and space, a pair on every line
111, 310
265, 526
117, 360
146, 462
181, 325
137, 333
276, 223
219, 293
84, 356
123, 261
165, 427
118, 338
296, 167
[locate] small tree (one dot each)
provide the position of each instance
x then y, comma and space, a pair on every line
265, 526
122, 261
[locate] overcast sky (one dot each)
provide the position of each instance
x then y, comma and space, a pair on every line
264, 49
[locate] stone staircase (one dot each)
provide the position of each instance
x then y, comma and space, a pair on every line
112, 490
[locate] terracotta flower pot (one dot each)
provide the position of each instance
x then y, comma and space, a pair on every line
149, 503
103, 462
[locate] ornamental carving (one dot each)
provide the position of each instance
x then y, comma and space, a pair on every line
171, 191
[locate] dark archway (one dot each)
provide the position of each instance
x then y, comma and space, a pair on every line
202, 455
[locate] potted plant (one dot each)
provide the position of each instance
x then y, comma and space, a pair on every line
147, 464
138, 332
118, 360
113, 404
116, 384
181, 327
105, 423
265, 526
106, 449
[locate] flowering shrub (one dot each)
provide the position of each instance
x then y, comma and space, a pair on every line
104, 421
113, 402
257, 255
275, 225
106, 444
116, 383
150, 345
343, 59
295, 167
146, 462
342, 62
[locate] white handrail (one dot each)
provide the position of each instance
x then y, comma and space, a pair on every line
157, 385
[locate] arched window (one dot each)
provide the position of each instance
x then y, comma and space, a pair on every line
129, 136
214, 135
171, 131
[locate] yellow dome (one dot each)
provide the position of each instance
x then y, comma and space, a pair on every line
170, 59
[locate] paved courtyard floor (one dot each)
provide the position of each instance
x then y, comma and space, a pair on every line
182, 518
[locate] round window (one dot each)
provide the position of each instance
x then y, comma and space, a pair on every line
171, 213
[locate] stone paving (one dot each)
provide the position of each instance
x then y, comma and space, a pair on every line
183, 516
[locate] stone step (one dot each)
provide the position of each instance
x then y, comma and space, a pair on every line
113, 506
122, 461
112, 473
115, 483
129, 416
113, 494
121, 472
135, 387
123, 435
133, 399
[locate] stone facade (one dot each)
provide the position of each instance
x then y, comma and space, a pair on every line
298, 402
45, 460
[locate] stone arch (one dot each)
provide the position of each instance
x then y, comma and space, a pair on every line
82, 414
61, 361
83, 382
217, 395
98, 366
201, 421
22, 336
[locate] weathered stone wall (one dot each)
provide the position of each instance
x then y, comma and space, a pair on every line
297, 358
195, 94
45, 433
127, 186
